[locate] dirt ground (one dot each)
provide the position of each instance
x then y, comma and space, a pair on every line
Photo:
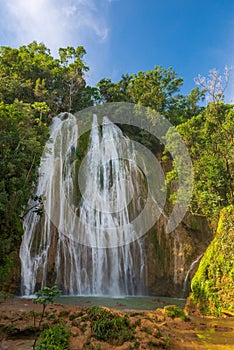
153, 329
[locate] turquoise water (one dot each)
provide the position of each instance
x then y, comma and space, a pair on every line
130, 303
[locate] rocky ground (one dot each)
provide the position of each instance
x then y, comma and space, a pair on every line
19, 319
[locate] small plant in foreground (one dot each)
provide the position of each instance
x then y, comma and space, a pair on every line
174, 311
45, 296
110, 327
33, 314
54, 338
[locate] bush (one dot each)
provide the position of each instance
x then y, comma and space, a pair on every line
110, 327
54, 338
174, 311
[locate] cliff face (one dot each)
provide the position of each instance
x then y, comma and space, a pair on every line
213, 283
172, 259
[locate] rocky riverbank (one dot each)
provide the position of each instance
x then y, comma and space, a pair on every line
19, 319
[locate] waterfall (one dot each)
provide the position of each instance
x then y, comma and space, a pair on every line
85, 242
189, 271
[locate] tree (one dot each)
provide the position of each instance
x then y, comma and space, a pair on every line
45, 296
209, 136
181, 108
22, 140
109, 91
154, 88
73, 76
157, 89
23, 69
215, 84
210, 139
34, 86
30, 74
42, 108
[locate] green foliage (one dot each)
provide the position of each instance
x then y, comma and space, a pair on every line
209, 137
150, 89
213, 284
174, 311
182, 108
134, 346
21, 145
12, 330
30, 74
34, 86
42, 108
22, 141
54, 338
157, 89
46, 295
110, 327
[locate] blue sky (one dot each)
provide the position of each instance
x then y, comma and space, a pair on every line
129, 35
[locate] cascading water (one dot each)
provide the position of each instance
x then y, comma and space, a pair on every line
86, 244
191, 267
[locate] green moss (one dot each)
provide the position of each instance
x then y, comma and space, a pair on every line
160, 249
213, 284
9, 272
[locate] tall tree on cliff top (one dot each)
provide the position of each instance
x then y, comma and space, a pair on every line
157, 89
210, 139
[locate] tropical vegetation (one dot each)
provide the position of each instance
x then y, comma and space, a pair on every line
35, 86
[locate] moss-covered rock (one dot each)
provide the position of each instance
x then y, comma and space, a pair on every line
213, 284
174, 311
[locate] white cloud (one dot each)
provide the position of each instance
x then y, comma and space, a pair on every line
56, 23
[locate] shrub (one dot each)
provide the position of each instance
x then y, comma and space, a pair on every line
54, 338
174, 311
110, 327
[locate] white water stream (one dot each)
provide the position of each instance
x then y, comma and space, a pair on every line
80, 243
